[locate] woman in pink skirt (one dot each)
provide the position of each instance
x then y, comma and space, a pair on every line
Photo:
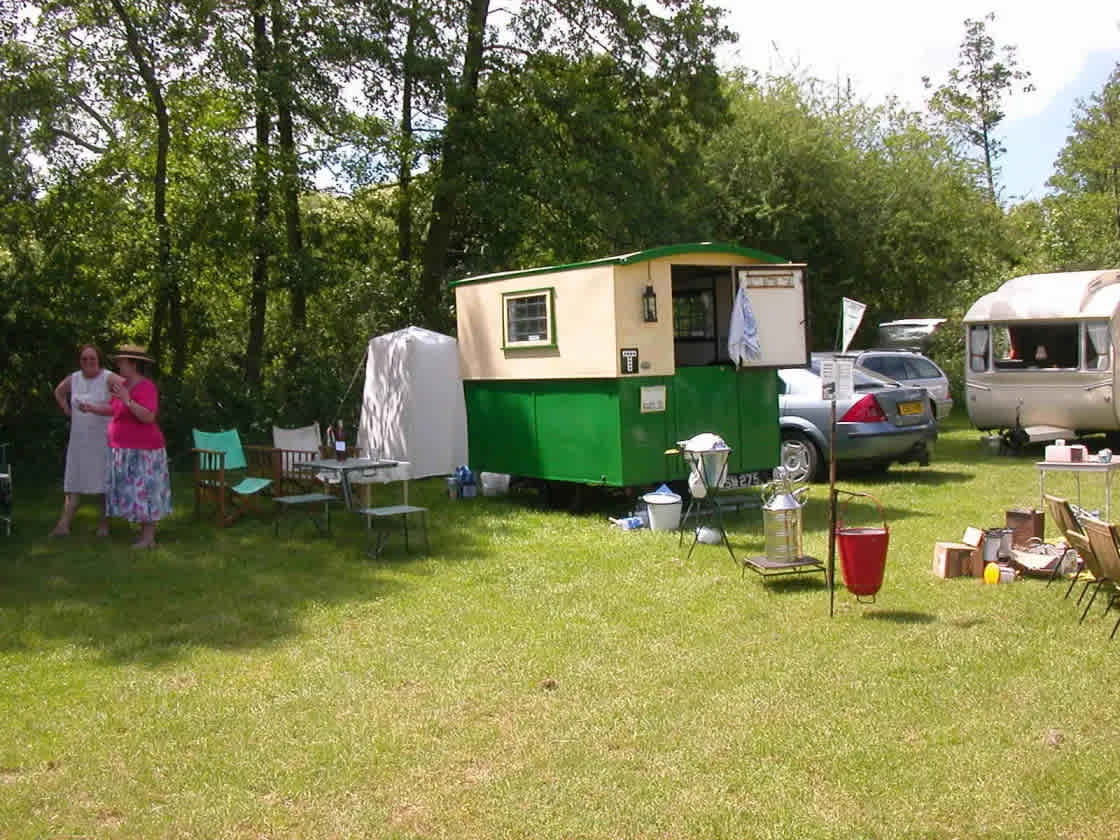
137, 482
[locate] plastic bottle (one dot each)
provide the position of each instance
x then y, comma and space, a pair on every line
340, 442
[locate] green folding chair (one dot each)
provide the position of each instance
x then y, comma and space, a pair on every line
224, 475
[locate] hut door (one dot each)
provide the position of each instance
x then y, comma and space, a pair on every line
702, 297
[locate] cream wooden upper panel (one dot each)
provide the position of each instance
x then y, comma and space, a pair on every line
654, 342
585, 328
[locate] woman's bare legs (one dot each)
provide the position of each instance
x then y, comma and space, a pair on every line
69, 508
103, 525
147, 536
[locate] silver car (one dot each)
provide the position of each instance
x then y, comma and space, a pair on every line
882, 423
910, 368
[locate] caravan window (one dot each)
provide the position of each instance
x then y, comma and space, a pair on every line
1097, 341
978, 349
1036, 346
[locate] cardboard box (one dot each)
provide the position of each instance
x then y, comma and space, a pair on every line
951, 559
1025, 525
1058, 453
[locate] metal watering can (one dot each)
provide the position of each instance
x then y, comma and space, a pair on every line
781, 517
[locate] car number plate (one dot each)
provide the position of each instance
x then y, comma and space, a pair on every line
909, 409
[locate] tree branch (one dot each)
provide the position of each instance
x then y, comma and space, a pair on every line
73, 138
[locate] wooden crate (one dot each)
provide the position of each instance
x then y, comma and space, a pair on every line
953, 559
1025, 525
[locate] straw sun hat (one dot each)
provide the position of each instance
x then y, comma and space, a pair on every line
132, 351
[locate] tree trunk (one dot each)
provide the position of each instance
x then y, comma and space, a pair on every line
461, 108
404, 207
167, 295
289, 167
261, 240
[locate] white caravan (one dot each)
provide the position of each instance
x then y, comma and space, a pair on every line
1041, 356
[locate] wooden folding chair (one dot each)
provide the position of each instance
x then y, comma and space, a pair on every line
1102, 539
223, 473
1061, 514
1106, 544
291, 449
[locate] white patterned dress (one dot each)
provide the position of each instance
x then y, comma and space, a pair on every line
88, 450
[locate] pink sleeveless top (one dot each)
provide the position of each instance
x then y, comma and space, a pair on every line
125, 431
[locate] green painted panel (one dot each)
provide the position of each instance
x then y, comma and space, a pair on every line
705, 399
592, 430
501, 428
758, 419
645, 437
578, 430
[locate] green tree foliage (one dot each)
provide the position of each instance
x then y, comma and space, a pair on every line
878, 203
971, 100
547, 131
1087, 179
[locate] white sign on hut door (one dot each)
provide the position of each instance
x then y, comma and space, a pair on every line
653, 399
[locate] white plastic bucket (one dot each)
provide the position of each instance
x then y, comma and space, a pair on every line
664, 511
494, 484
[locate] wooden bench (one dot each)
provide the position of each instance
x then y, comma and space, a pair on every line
304, 501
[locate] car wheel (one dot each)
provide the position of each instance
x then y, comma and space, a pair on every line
799, 456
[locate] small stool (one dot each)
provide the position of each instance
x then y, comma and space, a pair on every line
387, 512
286, 503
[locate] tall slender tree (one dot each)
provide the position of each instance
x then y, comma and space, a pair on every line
971, 100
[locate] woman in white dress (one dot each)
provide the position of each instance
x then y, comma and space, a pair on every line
88, 450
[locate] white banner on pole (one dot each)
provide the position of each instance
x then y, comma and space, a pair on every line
853, 314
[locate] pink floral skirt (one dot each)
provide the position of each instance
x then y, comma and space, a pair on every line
137, 484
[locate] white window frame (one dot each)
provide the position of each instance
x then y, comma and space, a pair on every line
546, 340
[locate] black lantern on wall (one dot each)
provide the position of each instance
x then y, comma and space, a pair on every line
649, 305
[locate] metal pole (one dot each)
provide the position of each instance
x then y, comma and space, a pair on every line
832, 507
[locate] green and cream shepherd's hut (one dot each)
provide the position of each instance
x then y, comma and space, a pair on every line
589, 372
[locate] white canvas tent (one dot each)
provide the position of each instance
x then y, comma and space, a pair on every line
412, 405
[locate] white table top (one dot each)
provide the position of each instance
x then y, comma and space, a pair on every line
348, 464
1089, 465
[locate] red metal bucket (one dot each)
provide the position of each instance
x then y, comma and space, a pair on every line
863, 553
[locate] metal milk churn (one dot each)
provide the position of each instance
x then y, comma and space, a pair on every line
781, 519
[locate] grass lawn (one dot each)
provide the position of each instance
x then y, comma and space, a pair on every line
542, 675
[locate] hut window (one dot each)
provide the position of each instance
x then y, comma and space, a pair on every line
694, 314
528, 318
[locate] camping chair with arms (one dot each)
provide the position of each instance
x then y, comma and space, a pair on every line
296, 485
1084, 550
222, 472
1102, 536
1061, 513
291, 448
1103, 545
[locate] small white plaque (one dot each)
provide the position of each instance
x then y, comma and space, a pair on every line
653, 399
836, 378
